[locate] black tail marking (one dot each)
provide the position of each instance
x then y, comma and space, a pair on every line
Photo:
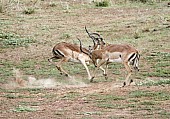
131, 56
57, 52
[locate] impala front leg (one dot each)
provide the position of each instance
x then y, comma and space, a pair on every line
98, 66
84, 64
104, 70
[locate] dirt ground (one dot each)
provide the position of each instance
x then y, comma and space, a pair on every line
104, 99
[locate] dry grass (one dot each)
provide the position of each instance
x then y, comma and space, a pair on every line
145, 26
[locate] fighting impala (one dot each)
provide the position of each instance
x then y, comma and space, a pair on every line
67, 52
125, 54
96, 39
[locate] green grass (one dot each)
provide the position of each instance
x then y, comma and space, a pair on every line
158, 96
20, 109
156, 83
106, 105
107, 98
29, 103
148, 33
70, 96
65, 36
148, 103
159, 64
89, 113
106, 101
104, 3
30, 10
8, 40
19, 96
6, 70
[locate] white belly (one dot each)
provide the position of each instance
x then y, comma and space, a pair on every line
74, 60
115, 60
114, 57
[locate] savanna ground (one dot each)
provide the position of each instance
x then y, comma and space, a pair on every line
29, 30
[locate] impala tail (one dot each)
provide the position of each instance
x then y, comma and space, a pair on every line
134, 60
57, 55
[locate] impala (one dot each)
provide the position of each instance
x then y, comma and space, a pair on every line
125, 54
100, 45
68, 52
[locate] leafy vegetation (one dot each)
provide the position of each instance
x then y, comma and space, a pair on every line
14, 40
103, 3
160, 63
29, 11
156, 83
158, 96
24, 109
133, 23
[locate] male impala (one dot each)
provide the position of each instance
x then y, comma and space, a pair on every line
125, 54
100, 45
70, 52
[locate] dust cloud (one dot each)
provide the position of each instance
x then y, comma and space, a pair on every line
21, 81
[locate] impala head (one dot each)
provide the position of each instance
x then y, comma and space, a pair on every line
98, 41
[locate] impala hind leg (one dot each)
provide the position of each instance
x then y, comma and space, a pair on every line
129, 70
59, 66
105, 75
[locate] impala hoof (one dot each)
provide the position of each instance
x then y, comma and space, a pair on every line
105, 75
124, 84
91, 80
130, 81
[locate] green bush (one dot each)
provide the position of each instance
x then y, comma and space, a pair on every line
17, 42
104, 3
11, 39
143, 1
1, 8
7, 35
29, 11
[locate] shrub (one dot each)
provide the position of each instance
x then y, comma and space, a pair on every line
104, 3
11, 39
17, 42
52, 4
1, 8
143, 1
29, 11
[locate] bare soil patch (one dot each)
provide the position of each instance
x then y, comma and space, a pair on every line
46, 94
